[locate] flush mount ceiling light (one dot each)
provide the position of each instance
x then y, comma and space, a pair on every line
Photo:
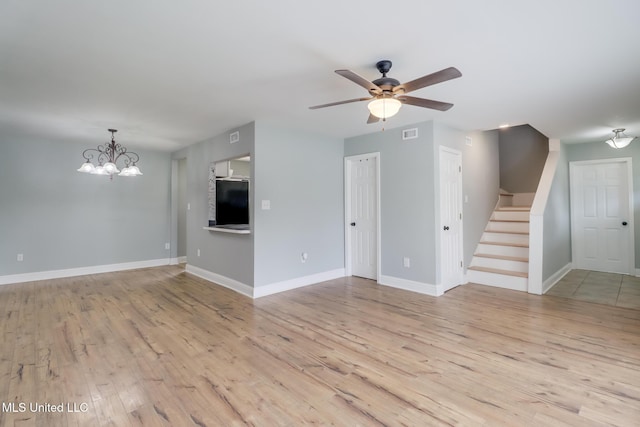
619, 139
107, 157
384, 107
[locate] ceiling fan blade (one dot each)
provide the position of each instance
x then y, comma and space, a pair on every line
331, 104
357, 79
431, 79
373, 119
426, 103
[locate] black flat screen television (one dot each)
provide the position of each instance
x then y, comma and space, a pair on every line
232, 202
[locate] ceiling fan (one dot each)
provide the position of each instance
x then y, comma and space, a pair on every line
388, 94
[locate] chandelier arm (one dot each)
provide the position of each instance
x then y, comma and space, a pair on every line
87, 153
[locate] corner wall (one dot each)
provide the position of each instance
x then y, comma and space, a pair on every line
523, 153
480, 180
225, 258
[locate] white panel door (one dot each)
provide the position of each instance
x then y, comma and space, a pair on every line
450, 218
602, 226
363, 217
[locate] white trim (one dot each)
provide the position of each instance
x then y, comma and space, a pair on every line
261, 291
410, 285
555, 278
298, 282
178, 260
536, 222
347, 212
628, 161
637, 272
221, 280
81, 271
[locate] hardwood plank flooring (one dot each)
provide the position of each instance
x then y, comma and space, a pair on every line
159, 347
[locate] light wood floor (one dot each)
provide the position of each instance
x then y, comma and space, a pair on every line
160, 347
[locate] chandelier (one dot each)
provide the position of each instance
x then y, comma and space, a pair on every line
107, 157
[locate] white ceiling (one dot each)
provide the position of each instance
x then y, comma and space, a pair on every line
170, 73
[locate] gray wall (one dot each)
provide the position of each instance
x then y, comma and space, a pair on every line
61, 219
407, 201
600, 150
301, 174
523, 153
230, 255
557, 221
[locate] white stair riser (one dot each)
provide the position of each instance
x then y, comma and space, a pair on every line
503, 250
500, 264
518, 227
505, 238
511, 215
497, 280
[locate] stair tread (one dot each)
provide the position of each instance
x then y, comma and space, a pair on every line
498, 271
504, 257
507, 232
520, 208
518, 245
509, 220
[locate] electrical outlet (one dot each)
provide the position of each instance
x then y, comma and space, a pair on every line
406, 262
20, 257
303, 257
167, 246
188, 206
266, 205
198, 252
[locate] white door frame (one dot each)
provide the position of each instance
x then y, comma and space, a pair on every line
631, 246
460, 277
348, 161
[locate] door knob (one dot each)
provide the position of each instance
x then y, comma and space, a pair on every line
353, 224
446, 227
624, 222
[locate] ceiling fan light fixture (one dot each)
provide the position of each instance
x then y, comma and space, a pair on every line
384, 107
619, 139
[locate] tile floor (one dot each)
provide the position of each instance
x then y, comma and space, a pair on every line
604, 288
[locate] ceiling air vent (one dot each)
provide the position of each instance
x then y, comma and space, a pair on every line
234, 137
409, 133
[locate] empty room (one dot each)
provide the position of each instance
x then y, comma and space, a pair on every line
410, 213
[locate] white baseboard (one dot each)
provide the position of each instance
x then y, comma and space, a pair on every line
410, 285
81, 271
221, 280
555, 278
178, 260
262, 291
298, 282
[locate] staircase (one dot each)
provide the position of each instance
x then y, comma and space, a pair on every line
502, 256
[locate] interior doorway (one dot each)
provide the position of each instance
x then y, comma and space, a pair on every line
602, 229
451, 241
362, 215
